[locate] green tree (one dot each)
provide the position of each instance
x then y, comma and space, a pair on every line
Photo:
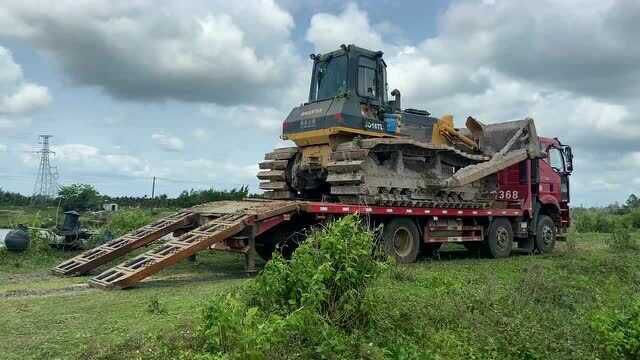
633, 202
79, 197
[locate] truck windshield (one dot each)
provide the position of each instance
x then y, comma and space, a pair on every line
330, 78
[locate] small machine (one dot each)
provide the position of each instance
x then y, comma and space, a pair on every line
71, 235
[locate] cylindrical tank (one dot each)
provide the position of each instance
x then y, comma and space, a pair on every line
17, 240
391, 122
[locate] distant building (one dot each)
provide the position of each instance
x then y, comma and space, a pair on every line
110, 207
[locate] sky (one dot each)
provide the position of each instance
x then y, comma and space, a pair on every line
194, 93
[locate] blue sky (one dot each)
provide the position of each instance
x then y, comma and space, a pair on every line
195, 94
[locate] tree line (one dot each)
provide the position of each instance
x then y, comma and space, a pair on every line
609, 218
85, 197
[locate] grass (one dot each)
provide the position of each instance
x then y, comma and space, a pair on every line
49, 317
459, 307
10, 216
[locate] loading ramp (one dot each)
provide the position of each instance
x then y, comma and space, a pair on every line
91, 259
202, 227
169, 253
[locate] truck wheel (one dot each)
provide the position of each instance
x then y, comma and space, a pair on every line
545, 235
401, 240
500, 238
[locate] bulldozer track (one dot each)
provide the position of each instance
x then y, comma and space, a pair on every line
273, 173
347, 175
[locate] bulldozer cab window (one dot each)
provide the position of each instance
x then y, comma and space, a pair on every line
367, 79
329, 78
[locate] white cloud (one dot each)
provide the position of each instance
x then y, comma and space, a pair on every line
212, 51
3, 148
92, 160
27, 98
328, 31
228, 170
200, 134
167, 142
18, 96
12, 124
266, 119
583, 46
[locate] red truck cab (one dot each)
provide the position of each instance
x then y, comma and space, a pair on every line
540, 187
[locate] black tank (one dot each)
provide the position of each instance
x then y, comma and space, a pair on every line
17, 240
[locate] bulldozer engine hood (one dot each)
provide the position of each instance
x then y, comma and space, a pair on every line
336, 112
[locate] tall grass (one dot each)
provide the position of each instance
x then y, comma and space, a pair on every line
605, 221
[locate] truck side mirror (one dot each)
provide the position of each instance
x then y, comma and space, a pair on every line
569, 158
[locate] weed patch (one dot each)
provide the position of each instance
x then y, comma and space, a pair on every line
619, 331
621, 239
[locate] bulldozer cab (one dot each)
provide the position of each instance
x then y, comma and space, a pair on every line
349, 71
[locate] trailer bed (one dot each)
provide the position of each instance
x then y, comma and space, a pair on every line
235, 225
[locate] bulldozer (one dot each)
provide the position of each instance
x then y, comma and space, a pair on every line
356, 145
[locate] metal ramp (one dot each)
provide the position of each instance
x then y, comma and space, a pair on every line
108, 251
169, 253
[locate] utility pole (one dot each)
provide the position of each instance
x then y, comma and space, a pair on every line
153, 188
46, 185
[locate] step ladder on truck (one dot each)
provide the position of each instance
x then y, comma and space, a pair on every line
530, 211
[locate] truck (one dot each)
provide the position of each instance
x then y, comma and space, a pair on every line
495, 188
532, 213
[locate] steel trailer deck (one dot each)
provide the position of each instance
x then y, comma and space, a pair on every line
234, 226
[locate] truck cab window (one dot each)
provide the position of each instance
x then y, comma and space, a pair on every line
367, 79
555, 159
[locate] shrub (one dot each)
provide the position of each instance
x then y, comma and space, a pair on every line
311, 306
619, 332
621, 239
127, 220
327, 273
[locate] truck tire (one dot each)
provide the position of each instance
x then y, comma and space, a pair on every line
401, 240
499, 238
545, 235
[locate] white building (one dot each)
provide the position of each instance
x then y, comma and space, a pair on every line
110, 207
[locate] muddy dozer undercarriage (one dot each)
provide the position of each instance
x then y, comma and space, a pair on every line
402, 171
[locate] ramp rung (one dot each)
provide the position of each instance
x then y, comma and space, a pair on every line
95, 257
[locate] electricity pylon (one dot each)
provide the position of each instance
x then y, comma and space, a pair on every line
46, 186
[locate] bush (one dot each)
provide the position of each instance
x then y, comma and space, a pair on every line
621, 239
314, 305
619, 332
329, 271
127, 220
595, 221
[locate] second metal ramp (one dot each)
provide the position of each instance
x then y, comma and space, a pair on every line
132, 271
110, 250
